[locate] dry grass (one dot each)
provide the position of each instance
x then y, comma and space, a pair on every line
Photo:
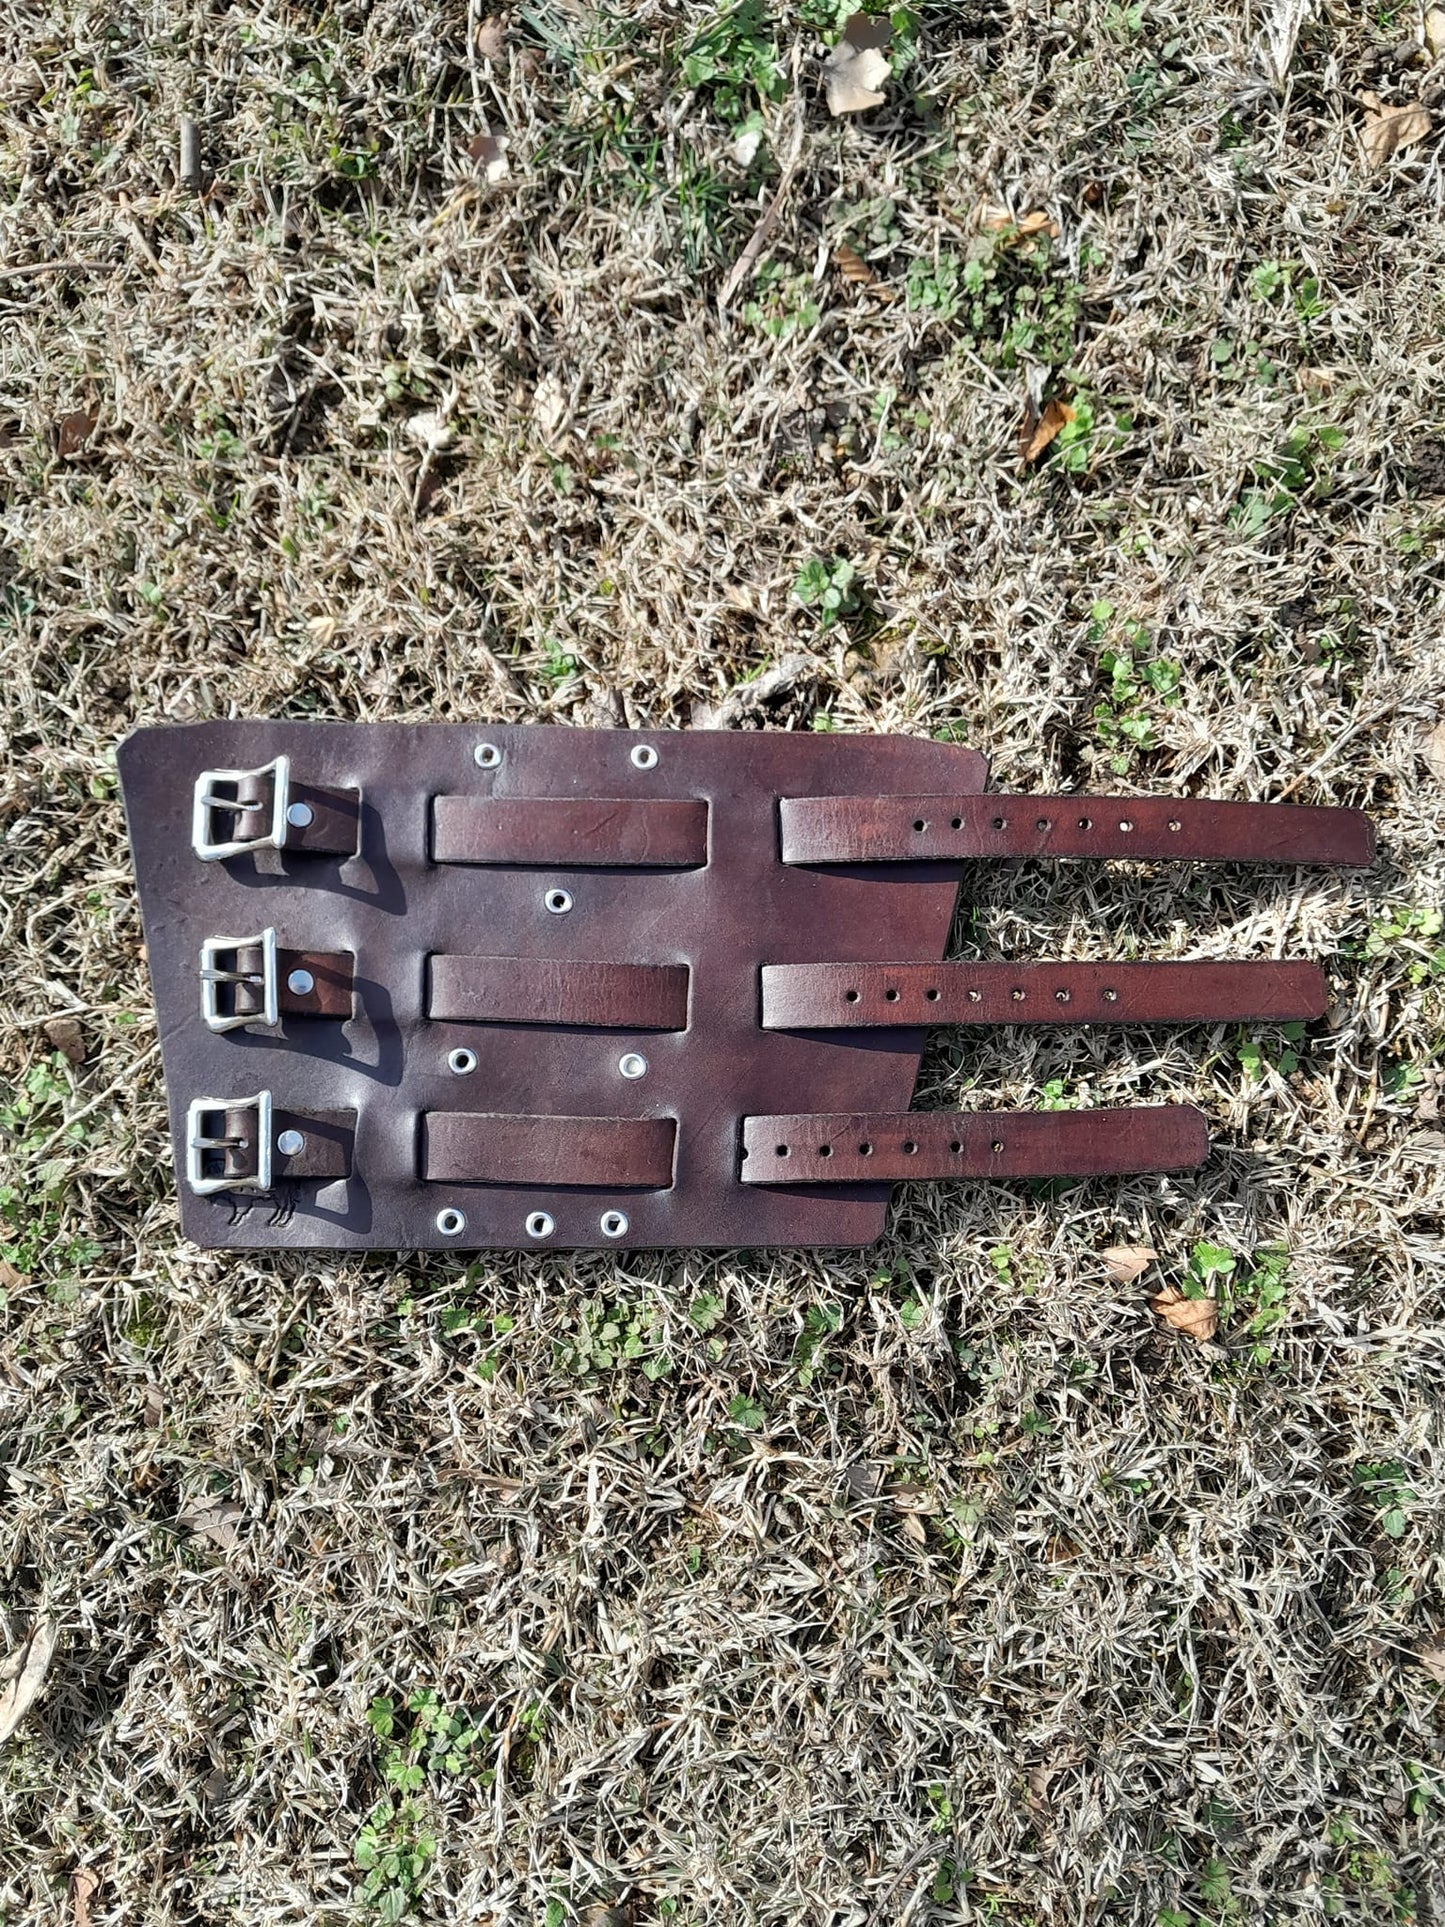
934, 1584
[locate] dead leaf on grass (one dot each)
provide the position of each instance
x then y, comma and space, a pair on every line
66, 1035
857, 68
1435, 31
997, 221
1125, 1263
489, 152
851, 265
1388, 129
491, 37
84, 1885
1433, 751
744, 149
912, 1527
76, 430
213, 1519
10, 1278
22, 1675
549, 408
1432, 1658
1056, 416
1197, 1318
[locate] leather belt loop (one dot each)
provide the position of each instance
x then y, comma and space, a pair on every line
844, 1147
547, 832
620, 1153
547, 990
236, 812
250, 1143
835, 996
897, 829
255, 981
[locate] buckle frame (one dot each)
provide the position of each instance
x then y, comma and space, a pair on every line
198, 1143
213, 976
206, 800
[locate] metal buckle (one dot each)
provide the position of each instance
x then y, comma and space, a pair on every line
213, 976
198, 1143
206, 800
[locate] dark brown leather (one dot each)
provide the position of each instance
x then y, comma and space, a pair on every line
523, 990
479, 1097
331, 973
842, 1147
892, 829
326, 1137
333, 828
830, 996
586, 833
618, 1153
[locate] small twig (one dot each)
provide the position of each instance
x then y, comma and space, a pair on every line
190, 167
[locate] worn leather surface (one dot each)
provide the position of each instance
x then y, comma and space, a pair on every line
532, 990
543, 1153
392, 906
877, 828
653, 833
956, 1144
849, 996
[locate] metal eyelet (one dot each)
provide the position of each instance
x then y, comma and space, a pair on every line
541, 1224
613, 1224
632, 1064
301, 983
300, 815
486, 756
644, 756
290, 1143
462, 1062
559, 902
451, 1222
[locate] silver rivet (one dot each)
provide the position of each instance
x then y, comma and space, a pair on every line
289, 1143
559, 902
614, 1225
302, 982
462, 1062
451, 1221
632, 1064
541, 1225
298, 815
644, 757
486, 756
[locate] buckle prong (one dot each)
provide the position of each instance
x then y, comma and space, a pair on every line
208, 798
213, 975
199, 1141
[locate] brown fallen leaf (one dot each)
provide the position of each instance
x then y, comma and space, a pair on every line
912, 1527
66, 1035
1197, 1318
76, 430
851, 265
1432, 1658
1125, 1263
491, 37
856, 69
1433, 751
489, 152
10, 1278
1435, 31
999, 222
84, 1885
213, 1519
1056, 416
1388, 129
22, 1675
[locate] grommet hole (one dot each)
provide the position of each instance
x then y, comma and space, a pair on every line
825, 1150
1110, 996
919, 824
450, 1222
541, 1224
486, 756
462, 1062
1125, 825
955, 823
559, 902
1062, 996
891, 996
614, 1224
909, 1147
955, 1146
865, 1149
1086, 822
931, 995
780, 1150
996, 1146
644, 756
632, 1064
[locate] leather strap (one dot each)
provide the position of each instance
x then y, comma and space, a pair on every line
464, 1147
543, 990
330, 973
321, 821
327, 1141
844, 1147
897, 829
655, 833
834, 996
